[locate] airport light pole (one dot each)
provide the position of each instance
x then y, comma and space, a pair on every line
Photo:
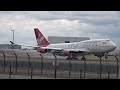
13, 39
12, 51
13, 35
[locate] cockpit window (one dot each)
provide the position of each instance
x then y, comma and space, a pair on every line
104, 42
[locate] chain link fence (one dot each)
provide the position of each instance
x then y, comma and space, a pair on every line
57, 67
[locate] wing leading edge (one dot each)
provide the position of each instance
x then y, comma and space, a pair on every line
72, 50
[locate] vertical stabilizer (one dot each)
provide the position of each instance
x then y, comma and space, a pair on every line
41, 40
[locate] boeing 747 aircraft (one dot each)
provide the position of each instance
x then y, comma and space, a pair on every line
98, 47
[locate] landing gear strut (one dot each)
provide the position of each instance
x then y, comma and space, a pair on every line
106, 56
72, 57
101, 55
83, 58
68, 58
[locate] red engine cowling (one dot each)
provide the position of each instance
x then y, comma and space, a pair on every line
66, 53
42, 50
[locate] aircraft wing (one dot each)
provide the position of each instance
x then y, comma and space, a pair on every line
78, 50
72, 50
24, 45
49, 48
28, 45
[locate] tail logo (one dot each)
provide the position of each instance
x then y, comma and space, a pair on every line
40, 39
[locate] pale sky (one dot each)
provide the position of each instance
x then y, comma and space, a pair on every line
93, 24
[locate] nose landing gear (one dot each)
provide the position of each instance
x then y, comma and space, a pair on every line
101, 55
106, 56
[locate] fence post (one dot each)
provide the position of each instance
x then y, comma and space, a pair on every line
108, 74
70, 65
16, 63
100, 67
4, 62
28, 62
10, 73
117, 67
84, 67
41, 63
55, 65
31, 72
80, 74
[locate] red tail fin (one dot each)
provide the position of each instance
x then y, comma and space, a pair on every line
41, 40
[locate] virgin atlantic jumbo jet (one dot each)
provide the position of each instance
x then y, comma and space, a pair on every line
98, 47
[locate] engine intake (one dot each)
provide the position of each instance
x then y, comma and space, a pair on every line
66, 53
42, 50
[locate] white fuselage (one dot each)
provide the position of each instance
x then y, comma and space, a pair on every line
94, 46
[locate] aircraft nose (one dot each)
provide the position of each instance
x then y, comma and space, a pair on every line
114, 46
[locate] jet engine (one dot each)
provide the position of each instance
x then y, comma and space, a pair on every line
42, 50
66, 53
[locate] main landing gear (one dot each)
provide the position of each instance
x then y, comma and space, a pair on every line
75, 58
72, 58
83, 58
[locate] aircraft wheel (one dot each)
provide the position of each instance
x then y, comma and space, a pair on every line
68, 58
106, 57
83, 58
75, 58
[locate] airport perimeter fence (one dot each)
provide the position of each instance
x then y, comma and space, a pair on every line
56, 67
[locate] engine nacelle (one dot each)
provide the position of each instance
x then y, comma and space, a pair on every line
66, 53
42, 50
